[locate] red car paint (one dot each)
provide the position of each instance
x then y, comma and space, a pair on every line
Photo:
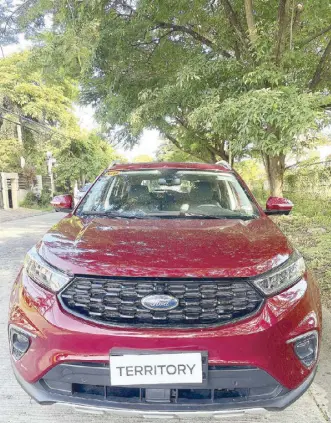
276, 203
159, 248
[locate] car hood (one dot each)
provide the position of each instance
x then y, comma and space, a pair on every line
164, 247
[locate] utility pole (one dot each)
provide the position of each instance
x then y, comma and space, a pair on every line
50, 163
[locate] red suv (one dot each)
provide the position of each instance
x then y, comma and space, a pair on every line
168, 292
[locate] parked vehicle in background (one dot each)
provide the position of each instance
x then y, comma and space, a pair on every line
58, 201
166, 292
81, 192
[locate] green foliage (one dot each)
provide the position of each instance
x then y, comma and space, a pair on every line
47, 104
24, 89
275, 121
29, 106
83, 158
310, 176
44, 199
10, 153
195, 70
167, 152
33, 201
252, 172
30, 200
152, 62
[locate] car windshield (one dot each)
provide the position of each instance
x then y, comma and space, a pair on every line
85, 188
168, 193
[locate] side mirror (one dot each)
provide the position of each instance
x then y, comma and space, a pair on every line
278, 206
62, 203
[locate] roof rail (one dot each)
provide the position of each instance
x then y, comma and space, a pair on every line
224, 163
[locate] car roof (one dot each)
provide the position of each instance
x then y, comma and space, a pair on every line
221, 166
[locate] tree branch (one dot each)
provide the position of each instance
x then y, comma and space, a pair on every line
213, 151
218, 152
192, 33
179, 146
313, 37
320, 68
10, 17
235, 22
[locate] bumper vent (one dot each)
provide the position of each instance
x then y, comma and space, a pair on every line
200, 303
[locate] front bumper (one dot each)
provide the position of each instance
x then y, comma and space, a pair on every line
258, 345
63, 385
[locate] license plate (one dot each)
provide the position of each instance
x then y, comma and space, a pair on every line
156, 369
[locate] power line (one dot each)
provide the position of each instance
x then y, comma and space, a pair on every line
31, 121
19, 123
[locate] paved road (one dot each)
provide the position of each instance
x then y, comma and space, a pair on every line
20, 213
16, 237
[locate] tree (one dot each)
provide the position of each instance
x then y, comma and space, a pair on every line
199, 71
10, 153
168, 152
82, 159
37, 116
251, 170
8, 24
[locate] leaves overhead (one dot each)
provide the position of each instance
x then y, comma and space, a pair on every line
202, 72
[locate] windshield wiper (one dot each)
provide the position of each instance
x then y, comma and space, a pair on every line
212, 216
116, 215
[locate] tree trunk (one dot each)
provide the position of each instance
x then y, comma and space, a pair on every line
250, 21
275, 168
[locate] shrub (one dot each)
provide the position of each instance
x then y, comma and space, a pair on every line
42, 201
30, 200
45, 198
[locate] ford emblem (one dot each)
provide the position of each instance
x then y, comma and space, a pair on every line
159, 302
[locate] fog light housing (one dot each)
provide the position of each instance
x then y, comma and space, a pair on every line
306, 348
19, 341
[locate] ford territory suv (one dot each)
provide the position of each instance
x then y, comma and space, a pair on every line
169, 292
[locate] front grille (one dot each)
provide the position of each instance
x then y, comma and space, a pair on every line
200, 302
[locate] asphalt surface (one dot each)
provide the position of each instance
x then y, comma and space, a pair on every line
16, 237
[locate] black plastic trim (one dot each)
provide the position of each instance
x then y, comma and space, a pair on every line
249, 281
39, 392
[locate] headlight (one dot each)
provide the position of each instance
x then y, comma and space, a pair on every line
42, 273
283, 276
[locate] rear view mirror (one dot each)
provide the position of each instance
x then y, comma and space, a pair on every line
62, 203
278, 206
170, 181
